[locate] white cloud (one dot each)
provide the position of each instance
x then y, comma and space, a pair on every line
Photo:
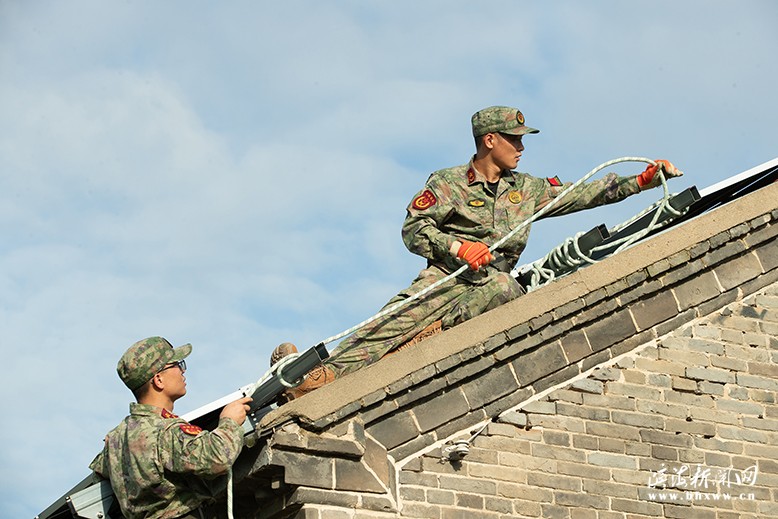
236, 176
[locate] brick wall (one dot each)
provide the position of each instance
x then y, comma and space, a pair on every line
650, 436
589, 395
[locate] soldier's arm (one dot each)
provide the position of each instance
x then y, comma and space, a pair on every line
203, 453
607, 190
421, 229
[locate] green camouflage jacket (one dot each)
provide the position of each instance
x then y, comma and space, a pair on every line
457, 204
160, 466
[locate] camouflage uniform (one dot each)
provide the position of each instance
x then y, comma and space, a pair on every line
160, 466
457, 204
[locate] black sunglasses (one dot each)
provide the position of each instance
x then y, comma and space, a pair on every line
180, 364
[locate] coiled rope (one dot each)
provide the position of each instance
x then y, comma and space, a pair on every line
561, 256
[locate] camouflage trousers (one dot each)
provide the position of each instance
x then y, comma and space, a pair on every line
453, 302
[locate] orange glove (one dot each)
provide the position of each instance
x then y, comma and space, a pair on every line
476, 254
648, 178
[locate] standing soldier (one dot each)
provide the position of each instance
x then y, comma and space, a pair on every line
159, 465
453, 220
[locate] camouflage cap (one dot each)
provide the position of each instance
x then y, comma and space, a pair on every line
145, 358
500, 119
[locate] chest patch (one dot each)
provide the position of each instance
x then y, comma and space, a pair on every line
476, 203
424, 201
190, 429
514, 197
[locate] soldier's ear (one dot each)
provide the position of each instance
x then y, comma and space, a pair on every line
157, 382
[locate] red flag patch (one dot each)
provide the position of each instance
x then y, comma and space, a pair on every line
554, 181
424, 201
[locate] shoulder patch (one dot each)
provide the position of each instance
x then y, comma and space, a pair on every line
425, 200
470, 175
190, 429
554, 181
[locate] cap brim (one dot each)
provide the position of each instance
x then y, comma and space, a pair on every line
521, 130
181, 352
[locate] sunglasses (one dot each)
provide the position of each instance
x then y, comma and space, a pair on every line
181, 364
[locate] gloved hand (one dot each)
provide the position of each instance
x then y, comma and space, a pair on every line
649, 178
476, 254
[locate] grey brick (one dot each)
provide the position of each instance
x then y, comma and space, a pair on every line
412, 447
588, 385
515, 418
768, 254
638, 419
610, 330
655, 310
581, 500
559, 377
394, 430
702, 287
539, 362
605, 459
757, 382
666, 438
354, 475
463, 422
490, 386
441, 409
575, 346
711, 374
738, 270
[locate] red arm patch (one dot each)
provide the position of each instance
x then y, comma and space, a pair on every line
554, 181
424, 201
190, 429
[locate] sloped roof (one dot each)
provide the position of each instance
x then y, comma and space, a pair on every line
573, 293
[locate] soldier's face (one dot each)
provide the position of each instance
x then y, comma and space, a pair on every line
174, 380
507, 150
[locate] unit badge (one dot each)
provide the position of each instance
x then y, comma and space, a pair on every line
476, 203
190, 429
514, 197
424, 201
519, 117
554, 181
470, 175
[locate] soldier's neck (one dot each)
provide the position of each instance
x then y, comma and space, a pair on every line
486, 167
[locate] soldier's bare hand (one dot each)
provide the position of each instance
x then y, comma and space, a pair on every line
237, 410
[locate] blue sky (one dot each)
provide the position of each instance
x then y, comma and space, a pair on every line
235, 174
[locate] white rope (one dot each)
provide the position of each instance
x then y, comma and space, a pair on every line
560, 257
276, 369
229, 494
497, 244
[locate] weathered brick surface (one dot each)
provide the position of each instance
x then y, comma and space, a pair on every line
640, 428
685, 390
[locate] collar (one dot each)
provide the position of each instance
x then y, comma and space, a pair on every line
474, 176
137, 409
